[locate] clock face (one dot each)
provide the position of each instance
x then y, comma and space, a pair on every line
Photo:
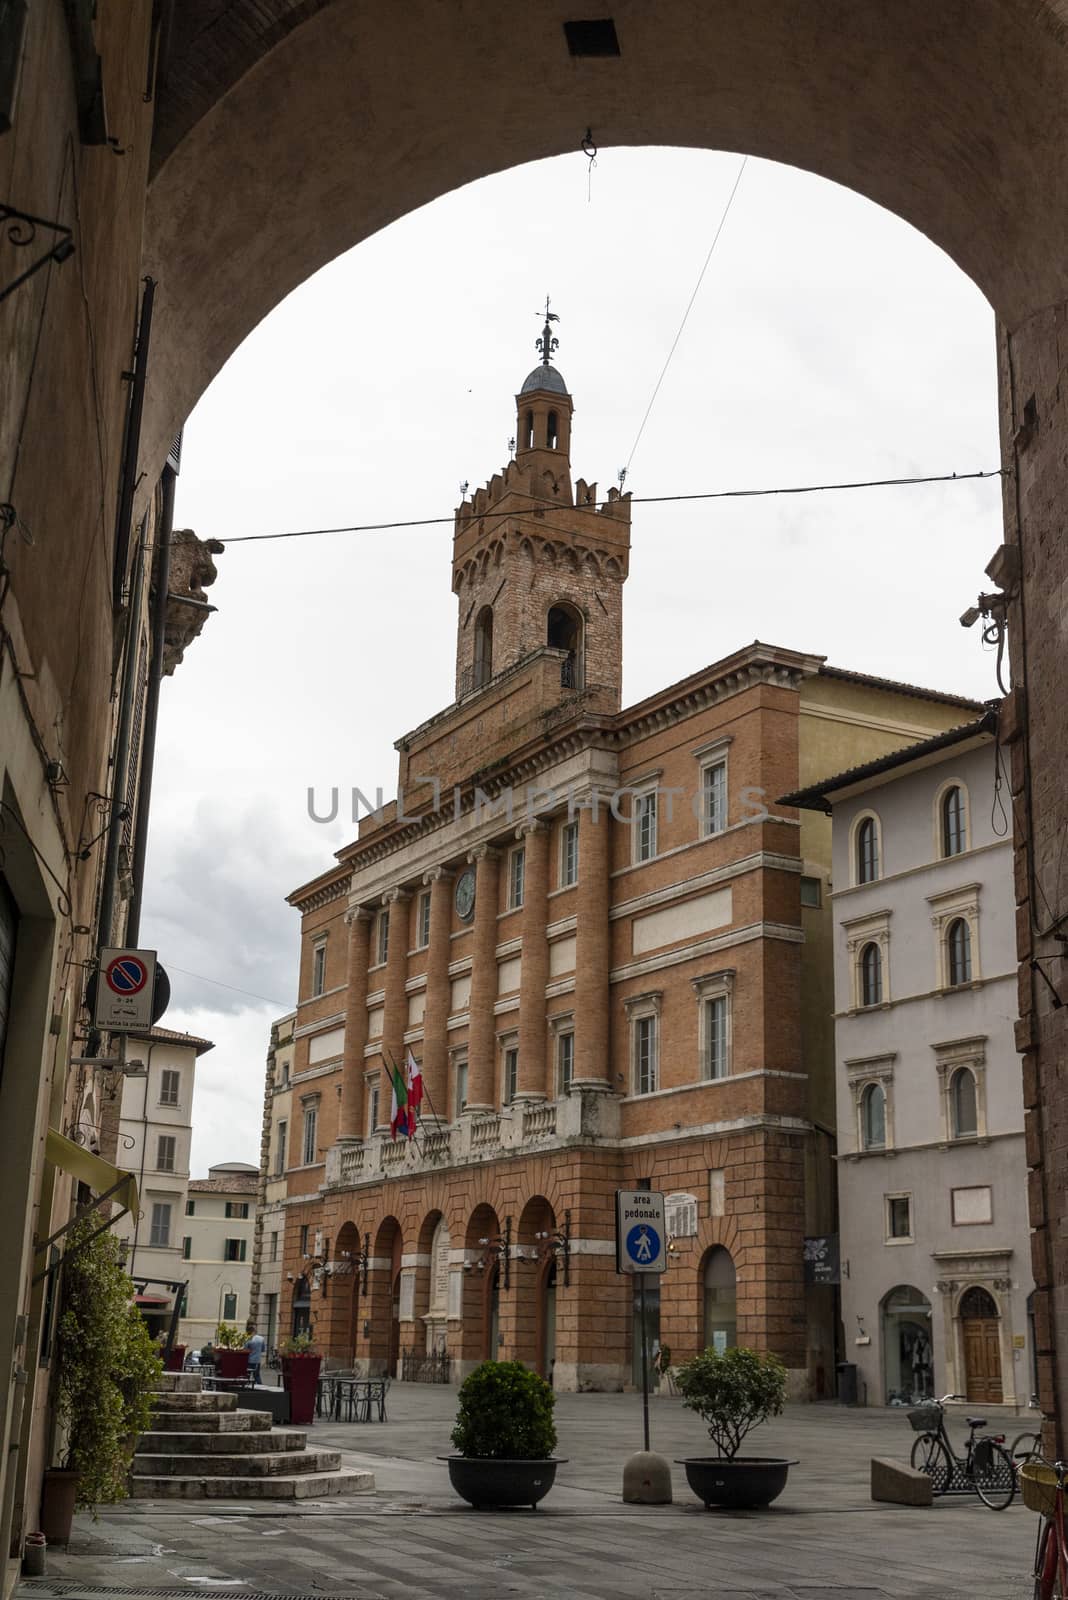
465, 895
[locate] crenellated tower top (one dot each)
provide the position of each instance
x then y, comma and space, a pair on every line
538, 565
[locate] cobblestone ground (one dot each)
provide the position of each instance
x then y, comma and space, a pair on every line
412, 1539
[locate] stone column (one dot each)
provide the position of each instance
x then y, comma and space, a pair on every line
481, 1037
350, 1118
592, 1068
534, 972
435, 1063
395, 1010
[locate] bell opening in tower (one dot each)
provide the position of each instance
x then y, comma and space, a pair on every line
483, 663
564, 632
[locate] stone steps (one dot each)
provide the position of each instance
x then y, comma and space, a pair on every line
227, 1442
274, 1463
204, 1447
300, 1486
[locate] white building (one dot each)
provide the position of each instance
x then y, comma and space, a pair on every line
274, 1155
155, 1130
220, 1217
935, 1243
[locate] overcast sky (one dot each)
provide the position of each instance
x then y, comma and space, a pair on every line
829, 342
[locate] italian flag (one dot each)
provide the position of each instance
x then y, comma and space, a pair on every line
400, 1118
414, 1091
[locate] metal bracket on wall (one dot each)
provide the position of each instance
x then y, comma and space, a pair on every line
20, 229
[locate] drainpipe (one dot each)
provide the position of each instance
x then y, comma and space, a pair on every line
122, 747
148, 744
132, 444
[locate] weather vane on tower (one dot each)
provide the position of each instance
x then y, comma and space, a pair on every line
548, 341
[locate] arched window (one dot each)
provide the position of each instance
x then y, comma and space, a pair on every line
564, 632
871, 975
483, 647
528, 430
959, 952
868, 851
552, 430
721, 1300
953, 830
962, 1112
873, 1117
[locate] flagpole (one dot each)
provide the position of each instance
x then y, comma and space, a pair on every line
408, 1113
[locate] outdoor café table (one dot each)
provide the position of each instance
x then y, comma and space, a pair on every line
356, 1396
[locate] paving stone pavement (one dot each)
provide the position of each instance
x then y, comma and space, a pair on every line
412, 1539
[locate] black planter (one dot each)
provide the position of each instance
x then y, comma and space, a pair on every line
486, 1481
738, 1485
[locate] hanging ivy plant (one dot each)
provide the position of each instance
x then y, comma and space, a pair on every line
107, 1365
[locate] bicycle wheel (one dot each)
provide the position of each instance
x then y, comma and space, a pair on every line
1048, 1582
994, 1475
929, 1455
1026, 1447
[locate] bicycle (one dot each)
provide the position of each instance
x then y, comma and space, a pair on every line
986, 1464
1028, 1446
1042, 1488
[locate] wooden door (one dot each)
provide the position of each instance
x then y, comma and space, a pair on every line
982, 1352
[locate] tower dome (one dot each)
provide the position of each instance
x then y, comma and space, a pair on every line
544, 377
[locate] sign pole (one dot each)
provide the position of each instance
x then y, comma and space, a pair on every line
645, 1360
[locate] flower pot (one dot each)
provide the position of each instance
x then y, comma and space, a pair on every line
489, 1481
739, 1484
231, 1363
58, 1494
300, 1379
174, 1360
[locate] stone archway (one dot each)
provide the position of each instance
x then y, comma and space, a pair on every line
384, 1270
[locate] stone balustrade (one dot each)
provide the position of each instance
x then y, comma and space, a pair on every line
539, 1121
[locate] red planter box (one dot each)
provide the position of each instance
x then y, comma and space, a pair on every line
300, 1379
231, 1363
174, 1360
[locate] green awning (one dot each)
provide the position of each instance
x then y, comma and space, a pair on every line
100, 1176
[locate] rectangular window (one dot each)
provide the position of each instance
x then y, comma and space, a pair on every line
645, 1063
645, 826
517, 862
304, 1239
382, 938
319, 969
165, 1148
810, 892
237, 1208
716, 1059
274, 1247
898, 1216
311, 1124
569, 848
229, 1308
187, 1248
160, 1234
169, 1084
510, 1080
714, 795
424, 920
190, 1208
461, 1086
234, 1249
280, 1151
285, 1075
565, 1062
372, 1109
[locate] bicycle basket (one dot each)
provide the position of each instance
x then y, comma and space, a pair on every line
1038, 1487
926, 1419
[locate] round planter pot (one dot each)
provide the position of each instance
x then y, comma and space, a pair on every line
58, 1494
487, 1481
231, 1363
742, 1484
300, 1379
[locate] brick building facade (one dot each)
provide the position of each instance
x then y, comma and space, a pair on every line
608, 950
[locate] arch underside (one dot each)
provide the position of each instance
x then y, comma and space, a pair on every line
287, 135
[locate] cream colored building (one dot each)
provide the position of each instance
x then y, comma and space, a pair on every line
274, 1156
216, 1253
155, 1131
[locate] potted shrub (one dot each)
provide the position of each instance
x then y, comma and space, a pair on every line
300, 1377
231, 1357
106, 1367
505, 1435
732, 1393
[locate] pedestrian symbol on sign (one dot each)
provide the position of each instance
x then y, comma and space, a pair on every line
643, 1245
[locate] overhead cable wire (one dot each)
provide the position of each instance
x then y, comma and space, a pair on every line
638, 500
686, 313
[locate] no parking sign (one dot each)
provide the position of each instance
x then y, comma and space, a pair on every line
125, 990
